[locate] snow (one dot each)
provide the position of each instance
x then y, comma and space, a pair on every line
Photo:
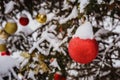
116, 63
17, 55
31, 75
72, 15
22, 1
20, 76
73, 65
108, 23
2, 41
49, 35
59, 73
34, 35
73, 72
9, 7
85, 31
105, 73
6, 60
24, 63
54, 63
65, 5
112, 1
116, 26
50, 16
23, 15
28, 28
43, 4
87, 78
72, 0
99, 1
42, 11
34, 25
69, 31
46, 35
6, 65
60, 36
101, 31
11, 20
32, 65
1, 78
82, 5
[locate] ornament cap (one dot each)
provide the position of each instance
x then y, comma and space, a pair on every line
83, 19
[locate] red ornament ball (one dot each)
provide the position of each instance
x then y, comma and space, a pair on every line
24, 20
58, 76
83, 50
5, 53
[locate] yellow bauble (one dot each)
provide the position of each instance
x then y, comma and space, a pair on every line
3, 47
41, 18
3, 34
11, 27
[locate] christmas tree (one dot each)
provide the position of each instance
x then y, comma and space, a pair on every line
59, 39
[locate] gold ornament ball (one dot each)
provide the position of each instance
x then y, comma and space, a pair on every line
3, 34
41, 18
3, 47
10, 27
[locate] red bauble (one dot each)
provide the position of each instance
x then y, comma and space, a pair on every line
83, 50
24, 20
5, 53
58, 76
